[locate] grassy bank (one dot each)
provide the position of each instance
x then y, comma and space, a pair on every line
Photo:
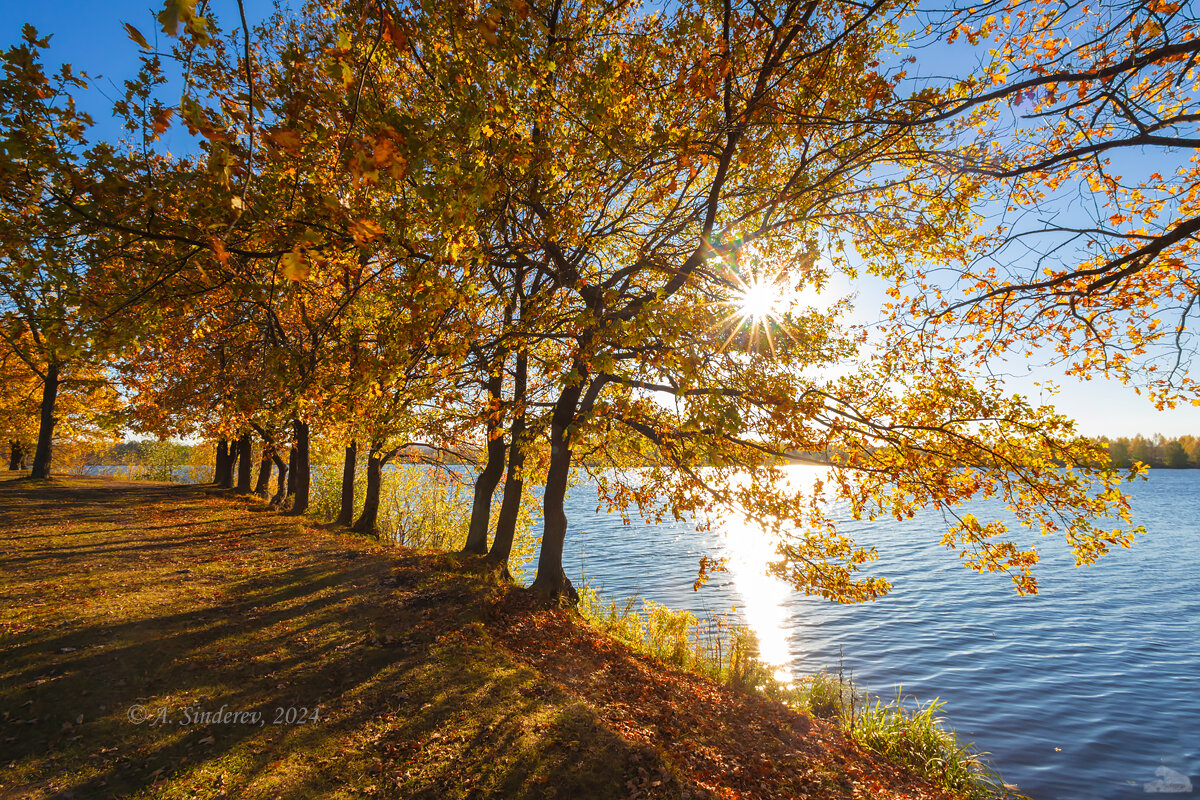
427, 680
915, 736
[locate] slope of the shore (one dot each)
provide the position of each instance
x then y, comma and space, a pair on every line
162, 641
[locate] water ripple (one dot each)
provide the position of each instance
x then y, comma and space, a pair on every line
1102, 665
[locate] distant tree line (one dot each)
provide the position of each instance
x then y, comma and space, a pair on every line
1156, 451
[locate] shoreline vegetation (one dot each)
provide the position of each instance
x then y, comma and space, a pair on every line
432, 678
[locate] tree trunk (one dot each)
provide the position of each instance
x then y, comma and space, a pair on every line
291, 472
284, 486
367, 521
551, 583
300, 470
262, 485
16, 455
226, 460
245, 448
231, 470
346, 512
493, 470
514, 485
222, 462
485, 487
41, 456
510, 506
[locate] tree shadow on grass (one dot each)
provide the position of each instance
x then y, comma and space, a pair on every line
412, 698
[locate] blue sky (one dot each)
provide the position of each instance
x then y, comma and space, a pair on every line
89, 35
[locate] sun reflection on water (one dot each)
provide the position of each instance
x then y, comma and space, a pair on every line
749, 550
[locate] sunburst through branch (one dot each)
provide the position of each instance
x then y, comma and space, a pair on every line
758, 303
759, 300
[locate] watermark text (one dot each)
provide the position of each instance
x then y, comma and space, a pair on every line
225, 715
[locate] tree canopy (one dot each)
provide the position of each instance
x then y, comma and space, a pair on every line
1081, 125
591, 235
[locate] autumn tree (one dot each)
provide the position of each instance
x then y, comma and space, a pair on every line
610, 217
58, 296
19, 400
409, 370
1082, 127
269, 251
654, 188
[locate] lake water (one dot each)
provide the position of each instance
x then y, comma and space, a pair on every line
183, 473
1079, 693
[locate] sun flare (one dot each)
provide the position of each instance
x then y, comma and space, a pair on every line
759, 300
767, 294
757, 305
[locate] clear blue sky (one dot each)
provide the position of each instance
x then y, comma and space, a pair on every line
89, 35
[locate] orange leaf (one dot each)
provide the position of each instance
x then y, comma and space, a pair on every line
364, 230
218, 248
288, 141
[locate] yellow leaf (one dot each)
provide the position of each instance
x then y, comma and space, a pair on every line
294, 266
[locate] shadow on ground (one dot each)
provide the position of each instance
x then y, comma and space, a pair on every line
130, 610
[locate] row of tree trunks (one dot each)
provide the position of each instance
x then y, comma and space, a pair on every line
17, 454
237, 458
510, 506
294, 478
41, 456
270, 457
551, 582
489, 479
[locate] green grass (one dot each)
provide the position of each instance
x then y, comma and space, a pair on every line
714, 647
911, 733
917, 738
